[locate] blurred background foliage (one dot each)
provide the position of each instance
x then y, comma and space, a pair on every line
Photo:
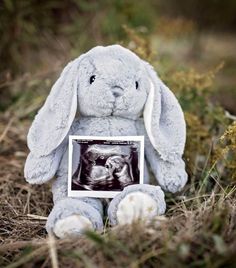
28, 25
38, 36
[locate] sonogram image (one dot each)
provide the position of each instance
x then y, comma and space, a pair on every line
106, 165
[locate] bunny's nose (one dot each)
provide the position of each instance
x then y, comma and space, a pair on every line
117, 91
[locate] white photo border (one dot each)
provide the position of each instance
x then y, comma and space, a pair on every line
102, 194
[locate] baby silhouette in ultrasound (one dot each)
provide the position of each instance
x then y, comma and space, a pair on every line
106, 167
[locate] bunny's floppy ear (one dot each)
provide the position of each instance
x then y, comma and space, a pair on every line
164, 119
54, 119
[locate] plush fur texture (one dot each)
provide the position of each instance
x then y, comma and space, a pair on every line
126, 99
136, 206
70, 206
154, 192
71, 226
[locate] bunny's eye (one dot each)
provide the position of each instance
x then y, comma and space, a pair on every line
136, 85
92, 79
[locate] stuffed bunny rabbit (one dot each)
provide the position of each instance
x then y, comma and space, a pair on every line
108, 91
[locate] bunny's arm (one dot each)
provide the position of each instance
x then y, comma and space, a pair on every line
40, 169
171, 176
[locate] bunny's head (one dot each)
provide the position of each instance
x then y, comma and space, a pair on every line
110, 81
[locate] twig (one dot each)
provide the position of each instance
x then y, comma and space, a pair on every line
37, 217
6, 129
230, 116
53, 250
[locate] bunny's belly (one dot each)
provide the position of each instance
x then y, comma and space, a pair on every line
104, 126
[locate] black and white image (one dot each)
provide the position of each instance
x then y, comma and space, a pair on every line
104, 166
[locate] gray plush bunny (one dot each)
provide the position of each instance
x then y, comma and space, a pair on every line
115, 94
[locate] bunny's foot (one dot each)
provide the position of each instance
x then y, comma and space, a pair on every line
71, 217
136, 202
71, 226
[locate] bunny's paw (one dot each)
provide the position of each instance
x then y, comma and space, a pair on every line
136, 202
171, 177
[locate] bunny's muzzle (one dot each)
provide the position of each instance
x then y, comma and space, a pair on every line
117, 91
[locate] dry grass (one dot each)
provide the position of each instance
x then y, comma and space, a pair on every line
199, 229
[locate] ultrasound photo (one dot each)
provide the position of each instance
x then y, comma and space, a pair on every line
103, 167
